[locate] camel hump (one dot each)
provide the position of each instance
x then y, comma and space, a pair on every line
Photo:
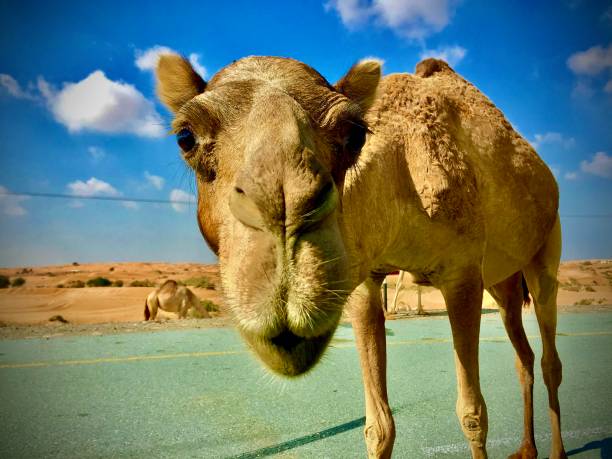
169, 286
429, 66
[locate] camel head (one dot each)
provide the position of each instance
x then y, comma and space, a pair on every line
270, 141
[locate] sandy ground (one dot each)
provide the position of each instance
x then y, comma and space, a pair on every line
25, 310
583, 285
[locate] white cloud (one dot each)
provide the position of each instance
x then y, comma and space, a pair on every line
92, 187
552, 138
194, 59
352, 12
412, 19
155, 180
99, 104
147, 60
10, 204
582, 89
600, 165
12, 86
591, 62
451, 54
571, 175
180, 198
96, 153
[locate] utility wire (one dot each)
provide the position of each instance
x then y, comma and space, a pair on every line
95, 198
183, 201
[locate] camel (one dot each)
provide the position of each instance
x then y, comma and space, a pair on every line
172, 297
310, 193
399, 286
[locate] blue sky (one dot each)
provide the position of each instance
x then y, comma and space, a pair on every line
79, 117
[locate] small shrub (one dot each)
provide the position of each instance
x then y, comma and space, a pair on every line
112, 268
196, 313
18, 282
199, 282
588, 288
210, 306
60, 285
74, 263
586, 263
58, 318
75, 284
4, 281
585, 302
142, 283
118, 283
99, 282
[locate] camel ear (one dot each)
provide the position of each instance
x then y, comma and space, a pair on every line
361, 81
177, 81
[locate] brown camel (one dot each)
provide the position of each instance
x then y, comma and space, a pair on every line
310, 193
172, 297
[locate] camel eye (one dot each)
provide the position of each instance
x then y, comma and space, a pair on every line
356, 138
185, 140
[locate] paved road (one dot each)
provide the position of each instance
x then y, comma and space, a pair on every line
199, 393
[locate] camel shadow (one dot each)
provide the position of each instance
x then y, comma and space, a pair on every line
605, 447
300, 441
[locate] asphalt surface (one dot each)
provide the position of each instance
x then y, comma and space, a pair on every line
199, 393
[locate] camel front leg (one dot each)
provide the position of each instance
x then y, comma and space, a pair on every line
464, 303
369, 326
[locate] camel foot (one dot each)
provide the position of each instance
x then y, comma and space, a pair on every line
526, 451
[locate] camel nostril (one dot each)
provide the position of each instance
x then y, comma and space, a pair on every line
287, 340
238, 190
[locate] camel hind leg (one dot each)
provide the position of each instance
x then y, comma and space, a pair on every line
509, 296
541, 277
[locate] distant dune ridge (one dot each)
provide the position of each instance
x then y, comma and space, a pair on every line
63, 290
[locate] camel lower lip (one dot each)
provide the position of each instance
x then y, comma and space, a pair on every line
288, 354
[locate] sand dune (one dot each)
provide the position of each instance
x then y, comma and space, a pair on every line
584, 284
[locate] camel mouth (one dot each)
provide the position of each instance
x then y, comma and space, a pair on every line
288, 354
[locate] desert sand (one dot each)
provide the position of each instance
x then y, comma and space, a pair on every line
47, 292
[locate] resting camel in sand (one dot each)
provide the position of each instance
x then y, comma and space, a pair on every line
310, 193
172, 297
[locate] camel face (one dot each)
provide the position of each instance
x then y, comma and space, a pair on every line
270, 141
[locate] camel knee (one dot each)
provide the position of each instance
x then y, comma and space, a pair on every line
380, 436
474, 422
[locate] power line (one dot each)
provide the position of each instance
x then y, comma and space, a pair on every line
96, 198
183, 201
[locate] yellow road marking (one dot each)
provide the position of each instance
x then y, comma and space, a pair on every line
138, 358
133, 358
